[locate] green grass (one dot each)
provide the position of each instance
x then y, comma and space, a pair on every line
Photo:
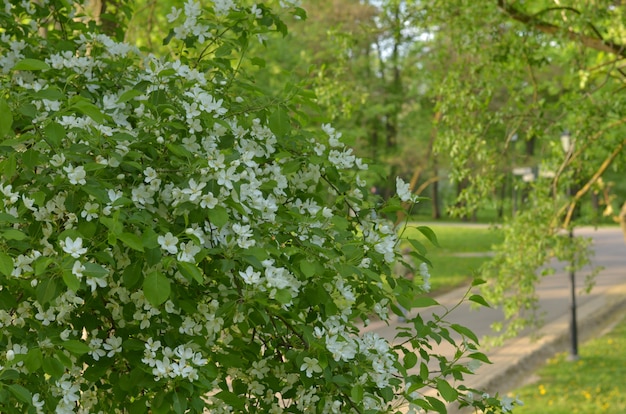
461, 252
594, 384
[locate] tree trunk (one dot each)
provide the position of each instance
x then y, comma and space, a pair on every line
501, 198
622, 219
436, 213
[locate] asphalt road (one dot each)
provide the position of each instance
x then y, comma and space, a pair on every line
514, 362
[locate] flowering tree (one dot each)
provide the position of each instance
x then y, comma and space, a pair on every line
171, 243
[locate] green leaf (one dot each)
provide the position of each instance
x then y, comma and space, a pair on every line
87, 108
218, 216
156, 288
31, 158
417, 246
480, 300
55, 134
424, 302
410, 360
31, 64
8, 218
41, 265
138, 406
93, 166
424, 372
64, 359
153, 256
76, 347
478, 282
21, 393
71, 281
256, 61
357, 394
179, 404
13, 234
132, 275
113, 224
465, 332
52, 367
290, 167
421, 258
9, 166
231, 399
429, 234
9, 375
33, 360
279, 123
47, 290
6, 118
128, 95
168, 38
308, 268
223, 51
87, 229
149, 239
131, 240
51, 93
480, 357
393, 205
437, 404
6, 264
95, 270
301, 13
445, 389
283, 296
190, 271
179, 151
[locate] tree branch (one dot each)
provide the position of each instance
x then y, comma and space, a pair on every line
607, 162
580, 193
549, 28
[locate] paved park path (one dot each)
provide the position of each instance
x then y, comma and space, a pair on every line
513, 363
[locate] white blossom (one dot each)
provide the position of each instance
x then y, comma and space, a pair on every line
169, 243
425, 273
403, 189
74, 247
113, 345
310, 366
187, 252
250, 276
76, 175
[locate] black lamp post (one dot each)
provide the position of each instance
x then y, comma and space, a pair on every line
568, 148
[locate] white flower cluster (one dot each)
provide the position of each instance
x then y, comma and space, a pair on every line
425, 273
383, 237
165, 362
403, 190
109, 347
272, 280
13, 53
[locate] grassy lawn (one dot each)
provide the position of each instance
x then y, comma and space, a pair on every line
461, 252
594, 384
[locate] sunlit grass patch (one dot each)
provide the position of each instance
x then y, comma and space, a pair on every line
594, 384
461, 252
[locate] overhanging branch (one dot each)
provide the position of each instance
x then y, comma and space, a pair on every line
580, 193
597, 43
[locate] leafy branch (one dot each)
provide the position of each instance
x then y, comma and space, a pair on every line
598, 42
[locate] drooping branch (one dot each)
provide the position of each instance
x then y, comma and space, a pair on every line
580, 193
597, 43
581, 149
